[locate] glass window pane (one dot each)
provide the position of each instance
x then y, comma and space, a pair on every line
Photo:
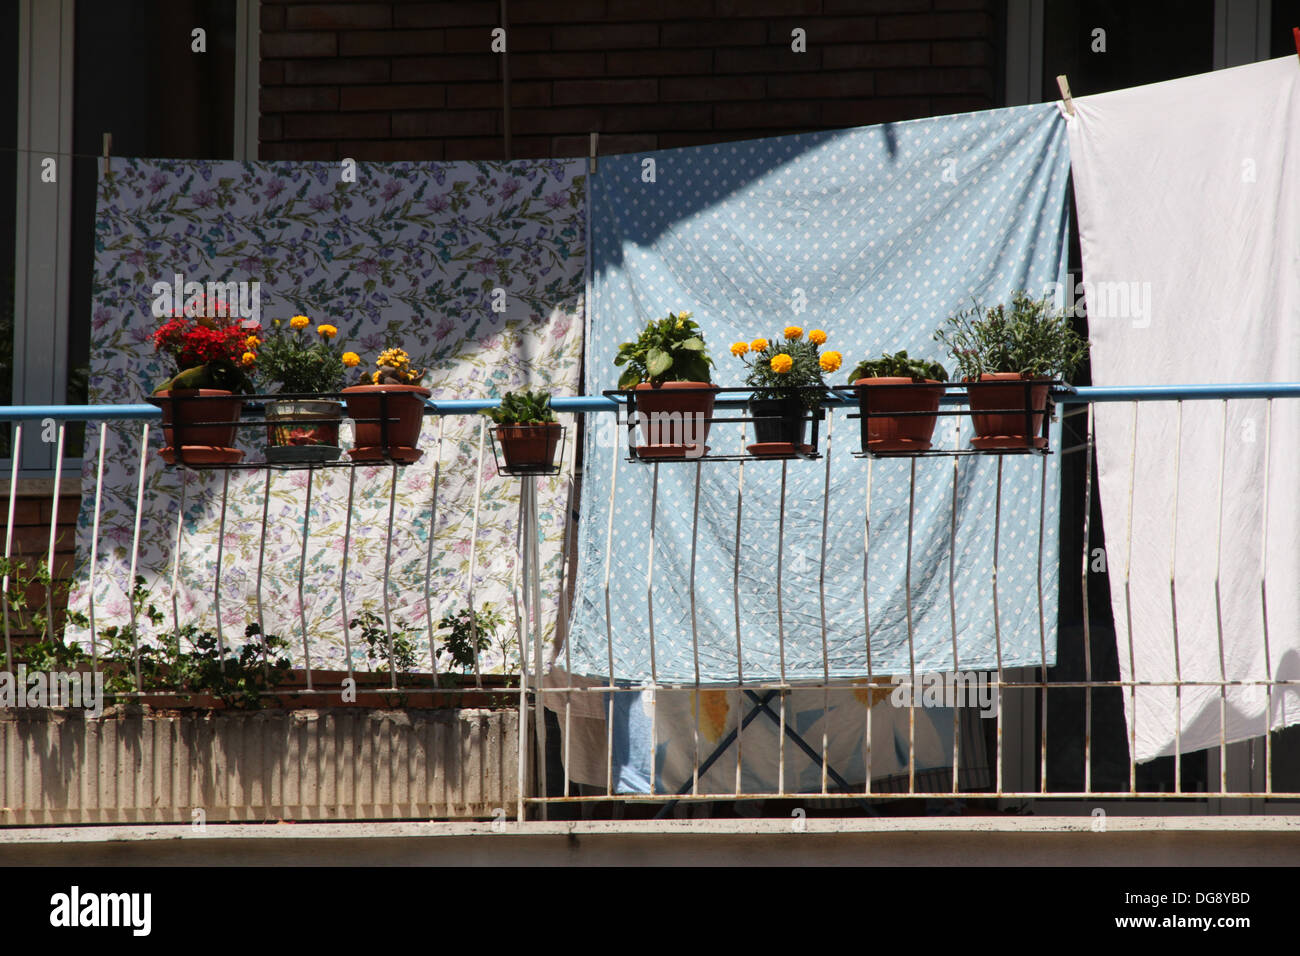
1139, 43
137, 77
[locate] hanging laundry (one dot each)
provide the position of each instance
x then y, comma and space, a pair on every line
1189, 214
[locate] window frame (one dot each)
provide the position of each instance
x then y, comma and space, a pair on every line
43, 211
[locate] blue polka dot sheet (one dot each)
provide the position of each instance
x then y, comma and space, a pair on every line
875, 235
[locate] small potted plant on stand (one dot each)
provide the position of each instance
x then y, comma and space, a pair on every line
889, 390
303, 361
213, 354
998, 351
668, 366
787, 382
527, 431
392, 399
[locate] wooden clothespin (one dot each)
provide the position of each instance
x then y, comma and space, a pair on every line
108, 149
595, 137
1064, 84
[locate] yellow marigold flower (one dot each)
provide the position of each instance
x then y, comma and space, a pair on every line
739, 349
299, 322
326, 331
817, 337
248, 358
781, 363
830, 361
758, 344
793, 333
351, 359
252, 342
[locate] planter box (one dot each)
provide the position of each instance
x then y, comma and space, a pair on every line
136, 765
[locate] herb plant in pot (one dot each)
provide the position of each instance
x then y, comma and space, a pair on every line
392, 400
668, 366
213, 354
527, 431
303, 361
787, 381
1009, 356
894, 402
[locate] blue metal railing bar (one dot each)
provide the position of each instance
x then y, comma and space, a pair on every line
1081, 395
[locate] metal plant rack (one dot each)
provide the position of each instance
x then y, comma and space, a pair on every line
955, 392
257, 403
627, 397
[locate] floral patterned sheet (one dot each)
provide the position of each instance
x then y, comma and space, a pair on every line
409, 254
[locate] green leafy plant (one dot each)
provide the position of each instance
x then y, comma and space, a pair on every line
522, 408
298, 358
377, 638
667, 350
1030, 337
188, 663
779, 367
899, 365
466, 637
236, 677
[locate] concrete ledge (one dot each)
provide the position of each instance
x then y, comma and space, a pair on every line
962, 841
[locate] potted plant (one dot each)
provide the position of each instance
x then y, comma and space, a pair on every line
527, 431
891, 392
391, 400
668, 366
786, 378
1000, 351
213, 354
302, 361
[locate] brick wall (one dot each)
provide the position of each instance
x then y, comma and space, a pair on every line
33, 508
417, 80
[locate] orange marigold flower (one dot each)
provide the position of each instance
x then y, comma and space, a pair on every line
326, 331
817, 337
252, 342
248, 358
758, 345
793, 333
830, 361
739, 349
782, 363
351, 359
299, 322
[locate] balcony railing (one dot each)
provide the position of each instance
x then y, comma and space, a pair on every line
1057, 725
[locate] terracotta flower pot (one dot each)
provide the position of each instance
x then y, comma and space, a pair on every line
674, 418
188, 440
302, 439
893, 433
405, 413
1009, 427
779, 427
529, 448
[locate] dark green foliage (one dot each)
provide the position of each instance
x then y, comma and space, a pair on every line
382, 658
187, 663
1031, 337
899, 365
464, 638
522, 408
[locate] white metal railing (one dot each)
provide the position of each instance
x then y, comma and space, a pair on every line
1016, 761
